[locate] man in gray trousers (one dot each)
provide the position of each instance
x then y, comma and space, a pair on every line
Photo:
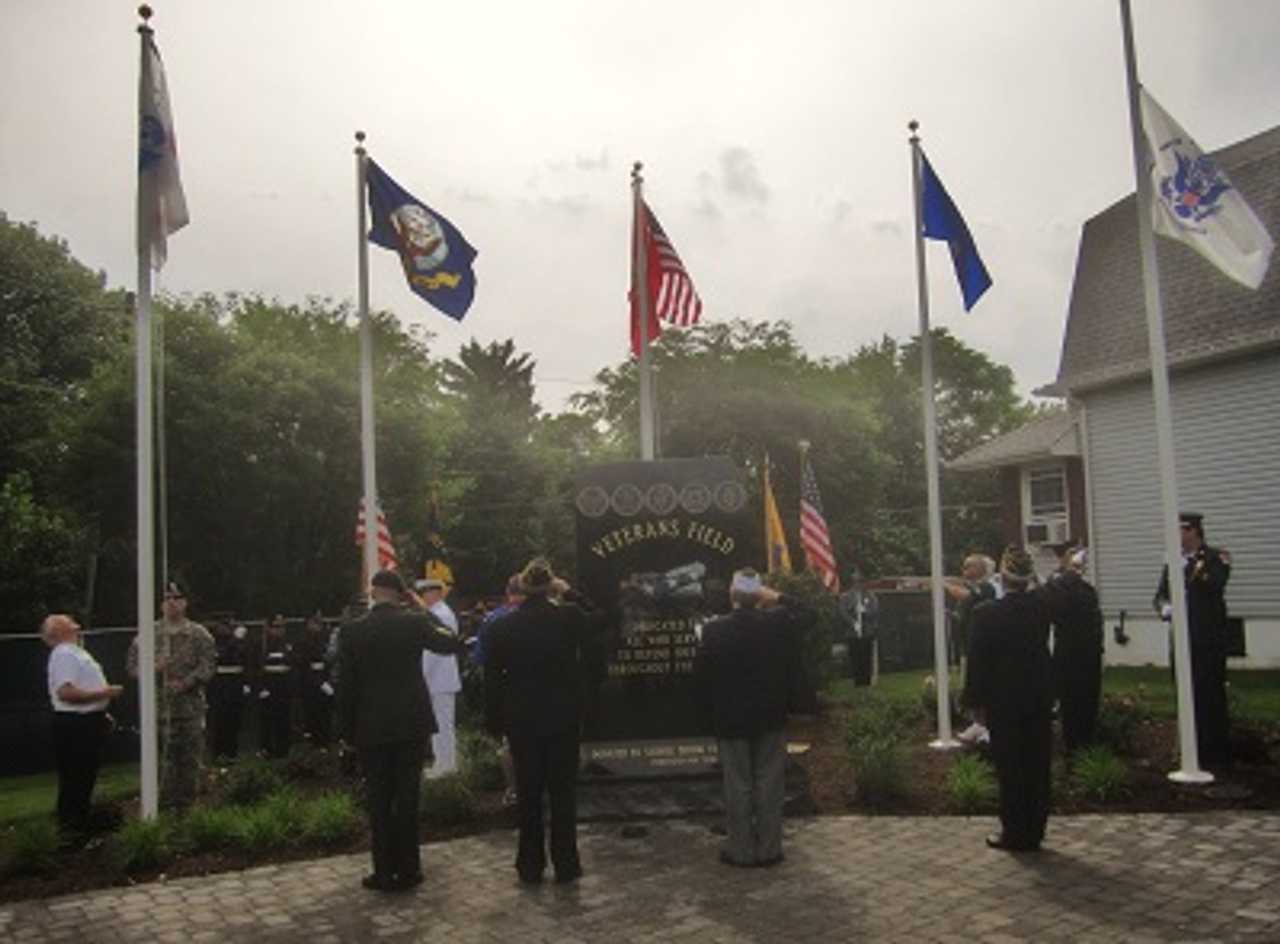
747, 670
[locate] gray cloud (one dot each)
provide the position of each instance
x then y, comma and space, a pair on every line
890, 228
588, 163
741, 177
708, 209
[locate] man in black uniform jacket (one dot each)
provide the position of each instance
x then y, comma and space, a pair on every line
1205, 571
227, 689
1010, 688
384, 711
533, 694
1077, 648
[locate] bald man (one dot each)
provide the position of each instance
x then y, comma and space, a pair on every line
80, 695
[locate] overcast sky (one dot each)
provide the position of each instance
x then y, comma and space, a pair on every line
773, 136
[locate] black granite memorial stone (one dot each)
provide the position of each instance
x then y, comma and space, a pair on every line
657, 546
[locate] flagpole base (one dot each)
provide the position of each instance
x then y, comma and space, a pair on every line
945, 744
1191, 776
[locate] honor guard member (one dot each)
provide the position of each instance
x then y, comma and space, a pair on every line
275, 689
229, 689
317, 688
185, 662
1205, 572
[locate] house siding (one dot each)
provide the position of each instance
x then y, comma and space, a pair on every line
1227, 442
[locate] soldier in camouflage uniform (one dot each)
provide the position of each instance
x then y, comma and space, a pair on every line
185, 660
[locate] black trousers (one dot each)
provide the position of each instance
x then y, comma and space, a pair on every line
78, 740
317, 714
1078, 677
276, 719
394, 777
1213, 724
1022, 746
861, 652
546, 764
226, 710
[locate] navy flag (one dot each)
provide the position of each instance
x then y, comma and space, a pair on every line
437, 260
941, 220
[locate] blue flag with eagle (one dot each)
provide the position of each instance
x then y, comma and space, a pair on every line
436, 258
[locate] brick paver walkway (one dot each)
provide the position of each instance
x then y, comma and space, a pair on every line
1204, 877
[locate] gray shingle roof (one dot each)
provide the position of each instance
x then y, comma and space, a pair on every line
1206, 314
1042, 438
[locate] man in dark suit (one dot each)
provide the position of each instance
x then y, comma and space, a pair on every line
1009, 687
1205, 572
747, 671
533, 695
1077, 648
383, 709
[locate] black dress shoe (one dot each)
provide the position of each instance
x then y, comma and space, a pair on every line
530, 878
569, 875
406, 882
377, 883
997, 841
771, 861
726, 859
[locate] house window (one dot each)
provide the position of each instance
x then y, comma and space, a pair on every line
1047, 492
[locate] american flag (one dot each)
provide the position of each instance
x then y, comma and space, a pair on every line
672, 297
387, 559
814, 536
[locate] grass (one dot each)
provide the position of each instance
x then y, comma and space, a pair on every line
33, 796
32, 849
971, 784
143, 844
1099, 774
1255, 691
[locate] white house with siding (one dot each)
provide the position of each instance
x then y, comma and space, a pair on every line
1223, 343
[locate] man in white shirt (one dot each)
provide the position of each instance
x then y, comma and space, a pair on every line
79, 693
443, 680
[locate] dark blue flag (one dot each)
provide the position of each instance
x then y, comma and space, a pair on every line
941, 220
437, 260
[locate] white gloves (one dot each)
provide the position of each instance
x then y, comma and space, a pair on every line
326, 688
246, 691
1166, 611
240, 632
264, 694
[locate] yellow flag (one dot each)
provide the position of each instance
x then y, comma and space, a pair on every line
775, 539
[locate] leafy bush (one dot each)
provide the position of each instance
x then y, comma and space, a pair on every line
143, 844
815, 654
330, 818
33, 847
250, 780
1119, 718
448, 801
880, 770
1098, 773
481, 761
309, 762
206, 828
875, 716
971, 784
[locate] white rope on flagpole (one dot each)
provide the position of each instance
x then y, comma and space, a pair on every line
367, 451
1190, 771
941, 663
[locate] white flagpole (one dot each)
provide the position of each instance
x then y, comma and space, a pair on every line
144, 485
640, 298
367, 452
1190, 771
941, 663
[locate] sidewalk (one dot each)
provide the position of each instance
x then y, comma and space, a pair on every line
1156, 877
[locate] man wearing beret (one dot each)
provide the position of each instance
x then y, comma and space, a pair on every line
186, 659
383, 709
1205, 572
1009, 686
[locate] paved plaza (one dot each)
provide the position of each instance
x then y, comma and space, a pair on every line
1153, 877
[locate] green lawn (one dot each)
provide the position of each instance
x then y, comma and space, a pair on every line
1255, 694
27, 797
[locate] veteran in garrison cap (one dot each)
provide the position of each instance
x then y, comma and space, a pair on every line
185, 661
1205, 572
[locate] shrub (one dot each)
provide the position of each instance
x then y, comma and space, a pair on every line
971, 784
448, 801
205, 828
1098, 773
481, 761
143, 844
33, 847
330, 818
880, 769
1119, 718
308, 762
250, 780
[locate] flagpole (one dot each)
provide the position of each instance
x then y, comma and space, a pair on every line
1190, 771
367, 452
144, 473
641, 301
768, 529
941, 664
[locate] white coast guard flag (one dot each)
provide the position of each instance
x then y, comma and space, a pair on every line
162, 209
1194, 202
